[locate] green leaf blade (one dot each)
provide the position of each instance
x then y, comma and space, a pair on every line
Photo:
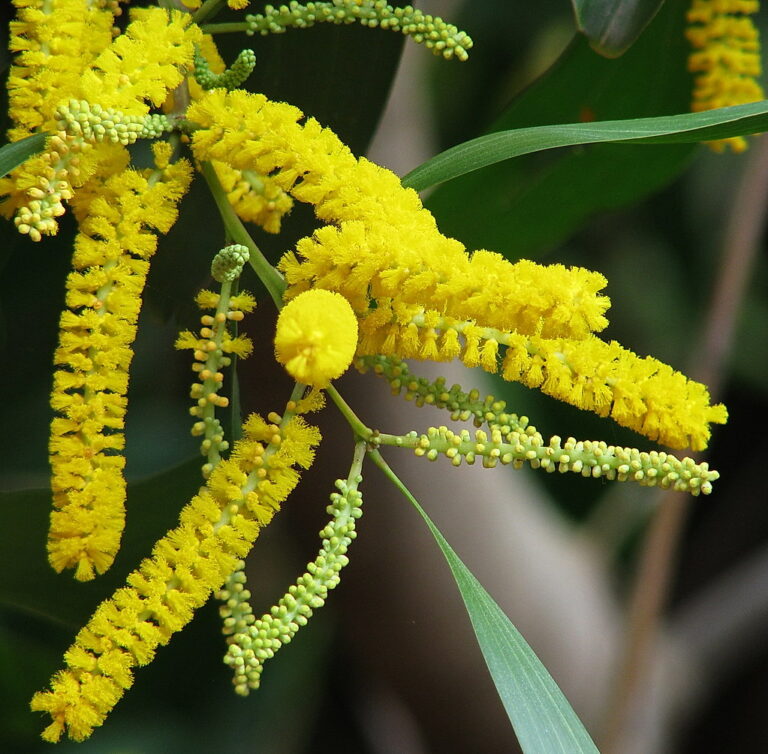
14, 154
613, 25
544, 721
722, 123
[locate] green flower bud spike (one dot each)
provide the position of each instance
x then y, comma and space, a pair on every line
94, 123
255, 642
228, 263
236, 612
512, 440
232, 78
463, 406
212, 350
434, 33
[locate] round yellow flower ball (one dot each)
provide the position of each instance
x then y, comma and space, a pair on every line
316, 337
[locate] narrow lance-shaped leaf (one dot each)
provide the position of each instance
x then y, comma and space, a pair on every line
12, 155
720, 123
543, 720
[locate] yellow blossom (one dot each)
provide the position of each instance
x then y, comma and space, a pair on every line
316, 337
216, 529
134, 72
642, 394
383, 242
103, 300
55, 41
725, 58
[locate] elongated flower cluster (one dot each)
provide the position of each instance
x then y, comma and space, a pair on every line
434, 33
216, 529
387, 245
116, 240
594, 459
725, 59
511, 439
255, 643
212, 348
418, 294
125, 76
642, 394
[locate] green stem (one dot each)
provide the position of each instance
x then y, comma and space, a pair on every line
207, 9
272, 279
360, 430
361, 448
226, 28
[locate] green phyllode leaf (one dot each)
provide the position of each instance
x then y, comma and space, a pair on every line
12, 155
543, 720
533, 204
686, 128
611, 26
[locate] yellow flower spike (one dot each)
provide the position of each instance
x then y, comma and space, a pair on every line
55, 41
186, 566
92, 359
642, 394
316, 337
383, 243
726, 58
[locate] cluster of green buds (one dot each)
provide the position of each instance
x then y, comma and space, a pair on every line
510, 438
213, 348
586, 457
53, 187
236, 612
94, 123
232, 78
434, 33
424, 392
228, 263
253, 642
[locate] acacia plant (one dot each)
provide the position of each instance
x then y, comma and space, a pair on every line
113, 116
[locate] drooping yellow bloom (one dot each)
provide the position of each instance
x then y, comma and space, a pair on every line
386, 244
133, 73
256, 198
642, 394
216, 529
316, 337
117, 237
418, 294
55, 41
726, 58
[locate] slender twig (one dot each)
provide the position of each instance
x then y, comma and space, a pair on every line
208, 9
272, 279
225, 28
740, 244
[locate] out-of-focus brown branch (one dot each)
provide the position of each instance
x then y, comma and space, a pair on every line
742, 234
